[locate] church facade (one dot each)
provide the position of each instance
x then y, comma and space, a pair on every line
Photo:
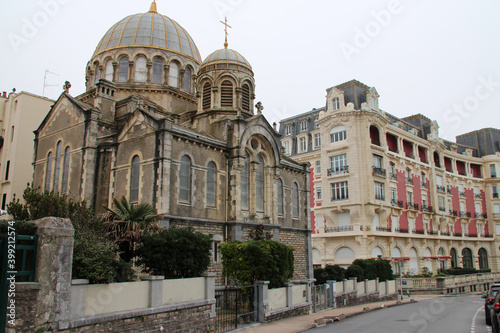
158, 125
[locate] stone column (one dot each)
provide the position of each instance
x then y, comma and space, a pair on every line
54, 264
210, 291
289, 294
262, 301
155, 290
78, 296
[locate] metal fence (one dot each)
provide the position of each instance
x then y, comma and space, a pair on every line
235, 307
322, 297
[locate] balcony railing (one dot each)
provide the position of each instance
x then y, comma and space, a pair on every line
415, 207
457, 234
448, 190
477, 196
463, 214
461, 173
379, 171
394, 150
338, 171
485, 215
469, 214
409, 180
409, 205
432, 233
402, 230
442, 209
444, 233
394, 176
345, 228
379, 197
383, 229
418, 232
472, 235
440, 188
424, 185
430, 209
424, 208
400, 204
453, 212
462, 194
495, 195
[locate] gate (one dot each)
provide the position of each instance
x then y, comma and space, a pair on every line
235, 307
23, 270
322, 297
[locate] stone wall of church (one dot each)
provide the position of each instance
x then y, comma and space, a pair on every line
200, 156
298, 240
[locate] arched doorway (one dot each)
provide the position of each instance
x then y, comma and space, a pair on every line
413, 261
483, 259
453, 255
467, 258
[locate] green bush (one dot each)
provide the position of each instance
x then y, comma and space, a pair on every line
329, 273
94, 255
375, 268
458, 271
175, 253
262, 260
22, 227
355, 271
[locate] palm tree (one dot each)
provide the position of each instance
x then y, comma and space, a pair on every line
128, 222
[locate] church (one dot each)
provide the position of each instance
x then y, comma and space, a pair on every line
159, 125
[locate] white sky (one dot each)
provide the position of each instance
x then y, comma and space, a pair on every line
429, 57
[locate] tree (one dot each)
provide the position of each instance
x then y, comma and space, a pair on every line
263, 260
127, 223
94, 255
355, 271
175, 253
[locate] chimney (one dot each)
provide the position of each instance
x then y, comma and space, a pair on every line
4, 94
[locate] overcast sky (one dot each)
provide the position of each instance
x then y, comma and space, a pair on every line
439, 58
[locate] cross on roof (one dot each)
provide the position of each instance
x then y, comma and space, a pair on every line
225, 30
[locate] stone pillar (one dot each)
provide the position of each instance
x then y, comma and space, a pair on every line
289, 294
367, 291
387, 287
210, 291
155, 290
78, 296
345, 285
262, 302
53, 271
377, 287
310, 285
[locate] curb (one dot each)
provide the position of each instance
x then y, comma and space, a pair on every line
320, 322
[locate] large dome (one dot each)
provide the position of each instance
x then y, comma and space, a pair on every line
151, 30
224, 59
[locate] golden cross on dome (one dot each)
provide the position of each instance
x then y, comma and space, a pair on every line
225, 30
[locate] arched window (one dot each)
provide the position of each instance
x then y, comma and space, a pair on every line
97, 73
211, 184
123, 70
187, 79
185, 180
65, 175
245, 97
173, 79
57, 166
245, 177
226, 94
338, 133
134, 179
140, 69
109, 71
467, 258
280, 197
295, 200
158, 71
453, 255
259, 185
48, 171
483, 259
207, 96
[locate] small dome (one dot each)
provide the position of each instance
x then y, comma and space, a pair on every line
150, 30
224, 59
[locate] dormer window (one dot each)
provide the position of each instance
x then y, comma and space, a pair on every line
303, 125
336, 103
288, 129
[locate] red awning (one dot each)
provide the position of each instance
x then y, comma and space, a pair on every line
434, 258
401, 258
444, 257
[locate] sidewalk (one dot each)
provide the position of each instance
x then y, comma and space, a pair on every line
303, 323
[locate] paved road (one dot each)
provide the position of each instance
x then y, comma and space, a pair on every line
457, 314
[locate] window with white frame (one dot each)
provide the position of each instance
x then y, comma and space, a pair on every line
303, 125
317, 140
379, 191
426, 225
493, 172
377, 162
318, 193
337, 134
476, 190
410, 197
318, 167
288, 129
441, 204
340, 191
280, 197
478, 208
394, 195
496, 209
462, 207
480, 229
303, 144
449, 205
286, 145
316, 122
461, 187
424, 201
338, 163
336, 103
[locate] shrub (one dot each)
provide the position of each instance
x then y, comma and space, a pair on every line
262, 260
355, 271
458, 271
22, 227
94, 255
375, 268
329, 273
175, 253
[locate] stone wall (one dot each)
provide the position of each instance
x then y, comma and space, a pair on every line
26, 306
195, 319
298, 240
352, 298
299, 311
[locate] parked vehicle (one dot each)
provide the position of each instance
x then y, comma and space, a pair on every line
494, 314
489, 301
